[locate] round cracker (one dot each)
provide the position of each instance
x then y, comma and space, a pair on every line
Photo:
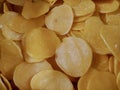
60, 19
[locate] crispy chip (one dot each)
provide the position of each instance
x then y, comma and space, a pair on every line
60, 19
10, 34
72, 3
11, 56
30, 59
51, 2
50, 80
60, 44
116, 66
6, 9
82, 8
108, 6
2, 85
24, 72
7, 17
78, 26
22, 25
74, 56
83, 81
91, 34
102, 81
41, 43
118, 80
6, 83
82, 18
18, 2
77, 33
113, 18
34, 9
111, 36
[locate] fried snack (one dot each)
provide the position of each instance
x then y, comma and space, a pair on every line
24, 72
40, 43
111, 36
118, 80
102, 81
92, 35
23, 25
18, 2
116, 67
83, 81
108, 6
82, 8
50, 80
11, 56
60, 44
78, 26
10, 34
35, 9
74, 56
4, 83
72, 3
60, 19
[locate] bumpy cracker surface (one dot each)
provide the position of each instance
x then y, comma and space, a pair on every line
74, 56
